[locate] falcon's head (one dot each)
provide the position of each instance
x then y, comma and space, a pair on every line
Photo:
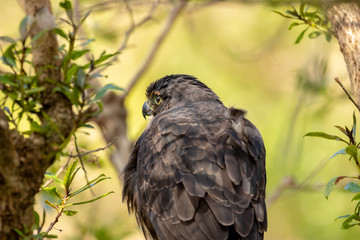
174, 91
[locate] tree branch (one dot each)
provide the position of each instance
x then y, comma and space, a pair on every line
154, 49
134, 25
351, 99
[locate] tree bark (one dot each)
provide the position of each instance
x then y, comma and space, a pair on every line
345, 19
23, 161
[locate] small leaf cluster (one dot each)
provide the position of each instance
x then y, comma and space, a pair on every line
352, 151
22, 88
63, 192
314, 21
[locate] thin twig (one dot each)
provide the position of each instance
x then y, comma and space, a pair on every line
52, 224
289, 183
175, 13
92, 151
81, 161
61, 169
130, 31
351, 99
134, 25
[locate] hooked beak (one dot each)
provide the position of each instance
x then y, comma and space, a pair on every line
146, 110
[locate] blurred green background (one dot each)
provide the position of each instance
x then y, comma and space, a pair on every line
246, 54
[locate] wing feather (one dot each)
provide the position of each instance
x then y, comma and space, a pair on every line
208, 223
185, 204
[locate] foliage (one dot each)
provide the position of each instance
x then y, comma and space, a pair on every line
63, 193
22, 99
352, 151
21, 86
314, 21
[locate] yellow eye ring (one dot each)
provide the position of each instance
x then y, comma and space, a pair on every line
157, 99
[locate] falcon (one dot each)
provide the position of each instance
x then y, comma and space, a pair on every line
198, 169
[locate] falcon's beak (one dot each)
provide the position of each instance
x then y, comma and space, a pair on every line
146, 110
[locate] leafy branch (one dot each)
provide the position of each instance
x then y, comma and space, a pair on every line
21, 88
65, 193
352, 151
315, 20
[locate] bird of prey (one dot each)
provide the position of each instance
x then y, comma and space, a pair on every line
198, 169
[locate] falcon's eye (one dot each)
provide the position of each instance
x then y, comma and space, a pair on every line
157, 99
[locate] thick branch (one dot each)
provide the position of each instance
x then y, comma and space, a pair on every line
345, 19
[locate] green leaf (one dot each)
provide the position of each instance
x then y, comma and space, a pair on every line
71, 72
352, 187
294, 24
90, 201
51, 204
328, 36
352, 151
292, 13
8, 57
302, 5
331, 184
36, 219
281, 14
92, 183
44, 235
356, 197
70, 174
61, 33
324, 135
34, 90
344, 216
74, 97
85, 17
39, 35
8, 79
353, 129
36, 127
101, 92
55, 178
68, 7
87, 41
53, 191
347, 223
19, 232
301, 36
77, 54
70, 212
103, 57
314, 34
23, 28
7, 39
87, 126
80, 79
341, 129
342, 151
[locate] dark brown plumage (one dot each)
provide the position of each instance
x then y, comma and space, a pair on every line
198, 170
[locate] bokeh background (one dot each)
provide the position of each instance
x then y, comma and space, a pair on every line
247, 55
